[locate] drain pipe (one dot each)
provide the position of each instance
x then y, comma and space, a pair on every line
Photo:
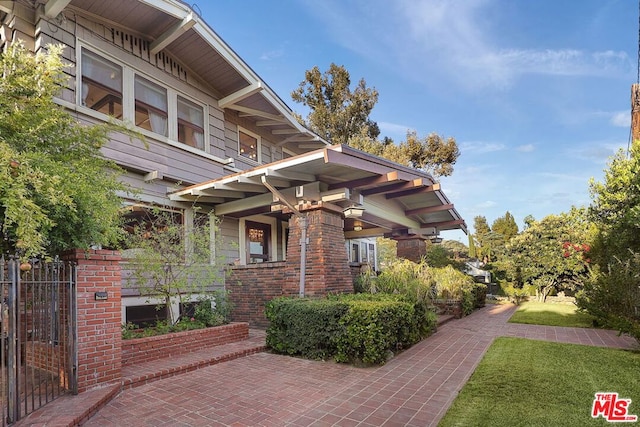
302, 221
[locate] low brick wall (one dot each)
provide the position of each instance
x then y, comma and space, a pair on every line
139, 350
449, 307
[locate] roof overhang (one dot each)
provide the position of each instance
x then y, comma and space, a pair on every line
173, 27
392, 200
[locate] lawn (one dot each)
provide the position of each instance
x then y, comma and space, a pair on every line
523, 382
538, 313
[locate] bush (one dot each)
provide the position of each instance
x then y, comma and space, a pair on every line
613, 296
454, 284
304, 327
517, 295
351, 328
372, 330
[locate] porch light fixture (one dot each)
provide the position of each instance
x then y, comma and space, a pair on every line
353, 212
435, 239
357, 226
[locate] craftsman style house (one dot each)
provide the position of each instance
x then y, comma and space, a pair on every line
296, 214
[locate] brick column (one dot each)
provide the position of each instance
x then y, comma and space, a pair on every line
413, 248
99, 319
327, 266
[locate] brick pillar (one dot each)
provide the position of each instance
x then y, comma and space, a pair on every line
99, 320
327, 266
413, 248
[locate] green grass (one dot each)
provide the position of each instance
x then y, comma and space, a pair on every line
523, 382
538, 313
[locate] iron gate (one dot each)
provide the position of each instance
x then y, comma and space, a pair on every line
38, 352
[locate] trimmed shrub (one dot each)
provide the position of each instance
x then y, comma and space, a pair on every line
304, 327
361, 328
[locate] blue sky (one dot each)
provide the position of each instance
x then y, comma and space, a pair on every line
536, 93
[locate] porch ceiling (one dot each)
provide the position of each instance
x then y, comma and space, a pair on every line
397, 200
172, 26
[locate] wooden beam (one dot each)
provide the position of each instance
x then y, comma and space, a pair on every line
443, 223
169, 36
285, 131
239, 95
416, 183
428, 209
419, 190
251, 112
290, 175
365, 232
364, 182
53, 7
249, 203
336, 157
260, 123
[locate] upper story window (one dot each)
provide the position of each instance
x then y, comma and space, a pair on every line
124, 93
190, 123
249, 145
151, 106
101, 84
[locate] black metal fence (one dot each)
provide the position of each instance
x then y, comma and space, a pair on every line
38, 336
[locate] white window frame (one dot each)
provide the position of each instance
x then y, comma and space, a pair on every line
242, 244
258, 145
128, 101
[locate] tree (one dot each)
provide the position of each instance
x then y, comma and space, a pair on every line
505, 226
615, 208
503, 229
170, 260
612, 293
482, 230
472, 247
337, 112
552, 254
432, 154
341, 116
438, 256
56, 190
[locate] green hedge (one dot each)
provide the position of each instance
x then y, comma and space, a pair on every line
360, 328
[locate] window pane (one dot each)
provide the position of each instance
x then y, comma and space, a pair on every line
257, 241
101, 84
190, 123
151, 106
248, 146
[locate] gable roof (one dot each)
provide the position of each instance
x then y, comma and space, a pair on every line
173, 27
397, 201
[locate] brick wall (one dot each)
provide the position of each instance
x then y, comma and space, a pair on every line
252, 286
99, 321
141, 350
327, 269
412, 249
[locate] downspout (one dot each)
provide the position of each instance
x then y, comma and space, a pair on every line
302, 220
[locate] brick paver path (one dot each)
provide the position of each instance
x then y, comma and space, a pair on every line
413, 389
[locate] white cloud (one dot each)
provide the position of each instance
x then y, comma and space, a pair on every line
456, 38
393, 129
268, 56
527, 148
621, 119
481, 147
486, 204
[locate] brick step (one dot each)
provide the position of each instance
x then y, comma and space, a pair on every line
71, 411
146, 372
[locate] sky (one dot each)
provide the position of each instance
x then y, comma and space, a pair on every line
535, 93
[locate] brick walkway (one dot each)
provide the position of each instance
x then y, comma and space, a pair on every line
413, 389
